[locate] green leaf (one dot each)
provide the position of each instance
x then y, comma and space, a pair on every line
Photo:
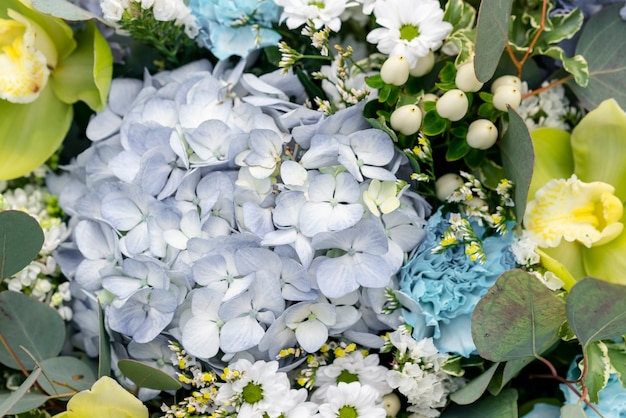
86, 74
574, 410
617, 357
27, 322
518, 159
374, 81
489, 173
510, 370
64, 9
601, 43
576, 65
457, 149
20, 400
381, 123
104, 354
595, 310
491, 36
599, 369
460, 14
64, 375
453, 366
21, 239
433, 124
147, 376
31, 132
475, 388
518, 317
562, 26
501, 406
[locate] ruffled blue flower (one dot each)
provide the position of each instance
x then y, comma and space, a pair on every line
612, 397
238, 27
444, 288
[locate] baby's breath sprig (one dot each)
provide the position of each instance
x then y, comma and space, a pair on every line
461, 232
330, 351
391, 302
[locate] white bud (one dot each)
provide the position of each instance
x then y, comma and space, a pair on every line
446, 185
506, 80
395, 70
423, 65
406, 119
430, 97
481, 134
466, 78
392, 405
453, 105
476, 203
507, 95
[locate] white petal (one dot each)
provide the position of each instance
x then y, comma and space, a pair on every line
311, 335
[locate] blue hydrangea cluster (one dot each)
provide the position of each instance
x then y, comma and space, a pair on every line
235, 27
442, 288
213, 211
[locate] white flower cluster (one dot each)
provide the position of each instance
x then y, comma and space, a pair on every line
41, 277
550, 108
163, 10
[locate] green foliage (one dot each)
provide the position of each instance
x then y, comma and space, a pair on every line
20, 400
147, 376
491, 36
65, 375
595, 310
518, 317
475, 388
502, 406
63, 9
518, 159
598, 369
602, 44
26, 322
104, 345
573, 411
21, 239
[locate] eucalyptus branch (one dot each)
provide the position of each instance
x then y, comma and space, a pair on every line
13, 356
547, 87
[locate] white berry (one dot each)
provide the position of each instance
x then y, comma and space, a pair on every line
481, 134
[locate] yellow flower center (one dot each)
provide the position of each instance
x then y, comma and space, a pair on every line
575, 211
23, 68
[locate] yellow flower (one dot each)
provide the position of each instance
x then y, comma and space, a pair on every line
105, 399
577, 194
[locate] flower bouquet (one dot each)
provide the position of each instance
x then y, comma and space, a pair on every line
290, 208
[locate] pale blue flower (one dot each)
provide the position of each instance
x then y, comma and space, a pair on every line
362, 263
143, 315
445, 287
333, 204
155, 353
612, 396
266, 149
364, 153
200, 333
99, 245
136, 273
235, 27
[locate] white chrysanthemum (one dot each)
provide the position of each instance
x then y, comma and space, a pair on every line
352, 367
321, 12
352, 400
410, 29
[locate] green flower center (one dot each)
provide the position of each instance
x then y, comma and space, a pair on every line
252, 393
408, 32
318, 4
347, 377
347, 412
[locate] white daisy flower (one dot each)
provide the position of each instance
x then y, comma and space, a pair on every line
322, 12
409, 28
351, 400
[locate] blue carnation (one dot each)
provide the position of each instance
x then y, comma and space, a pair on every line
239, 27
445, 287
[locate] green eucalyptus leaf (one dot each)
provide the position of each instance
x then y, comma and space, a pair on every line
617, 357
31, 132
64, 375
104, 354
518, 159
518, 317
20, 400
602, 44
574, 410
510, 370
576, 65
34, 325
21, 239
491, 36
489, 173
595, 310
475, 388
501, 406
146, 376
64, 9
598, 369
86, 74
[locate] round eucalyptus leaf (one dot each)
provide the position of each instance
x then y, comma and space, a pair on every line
26, 322
146, 376
21, 239
65, 375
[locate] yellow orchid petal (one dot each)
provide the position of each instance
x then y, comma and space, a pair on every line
574, 211
23, 68
105, 399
